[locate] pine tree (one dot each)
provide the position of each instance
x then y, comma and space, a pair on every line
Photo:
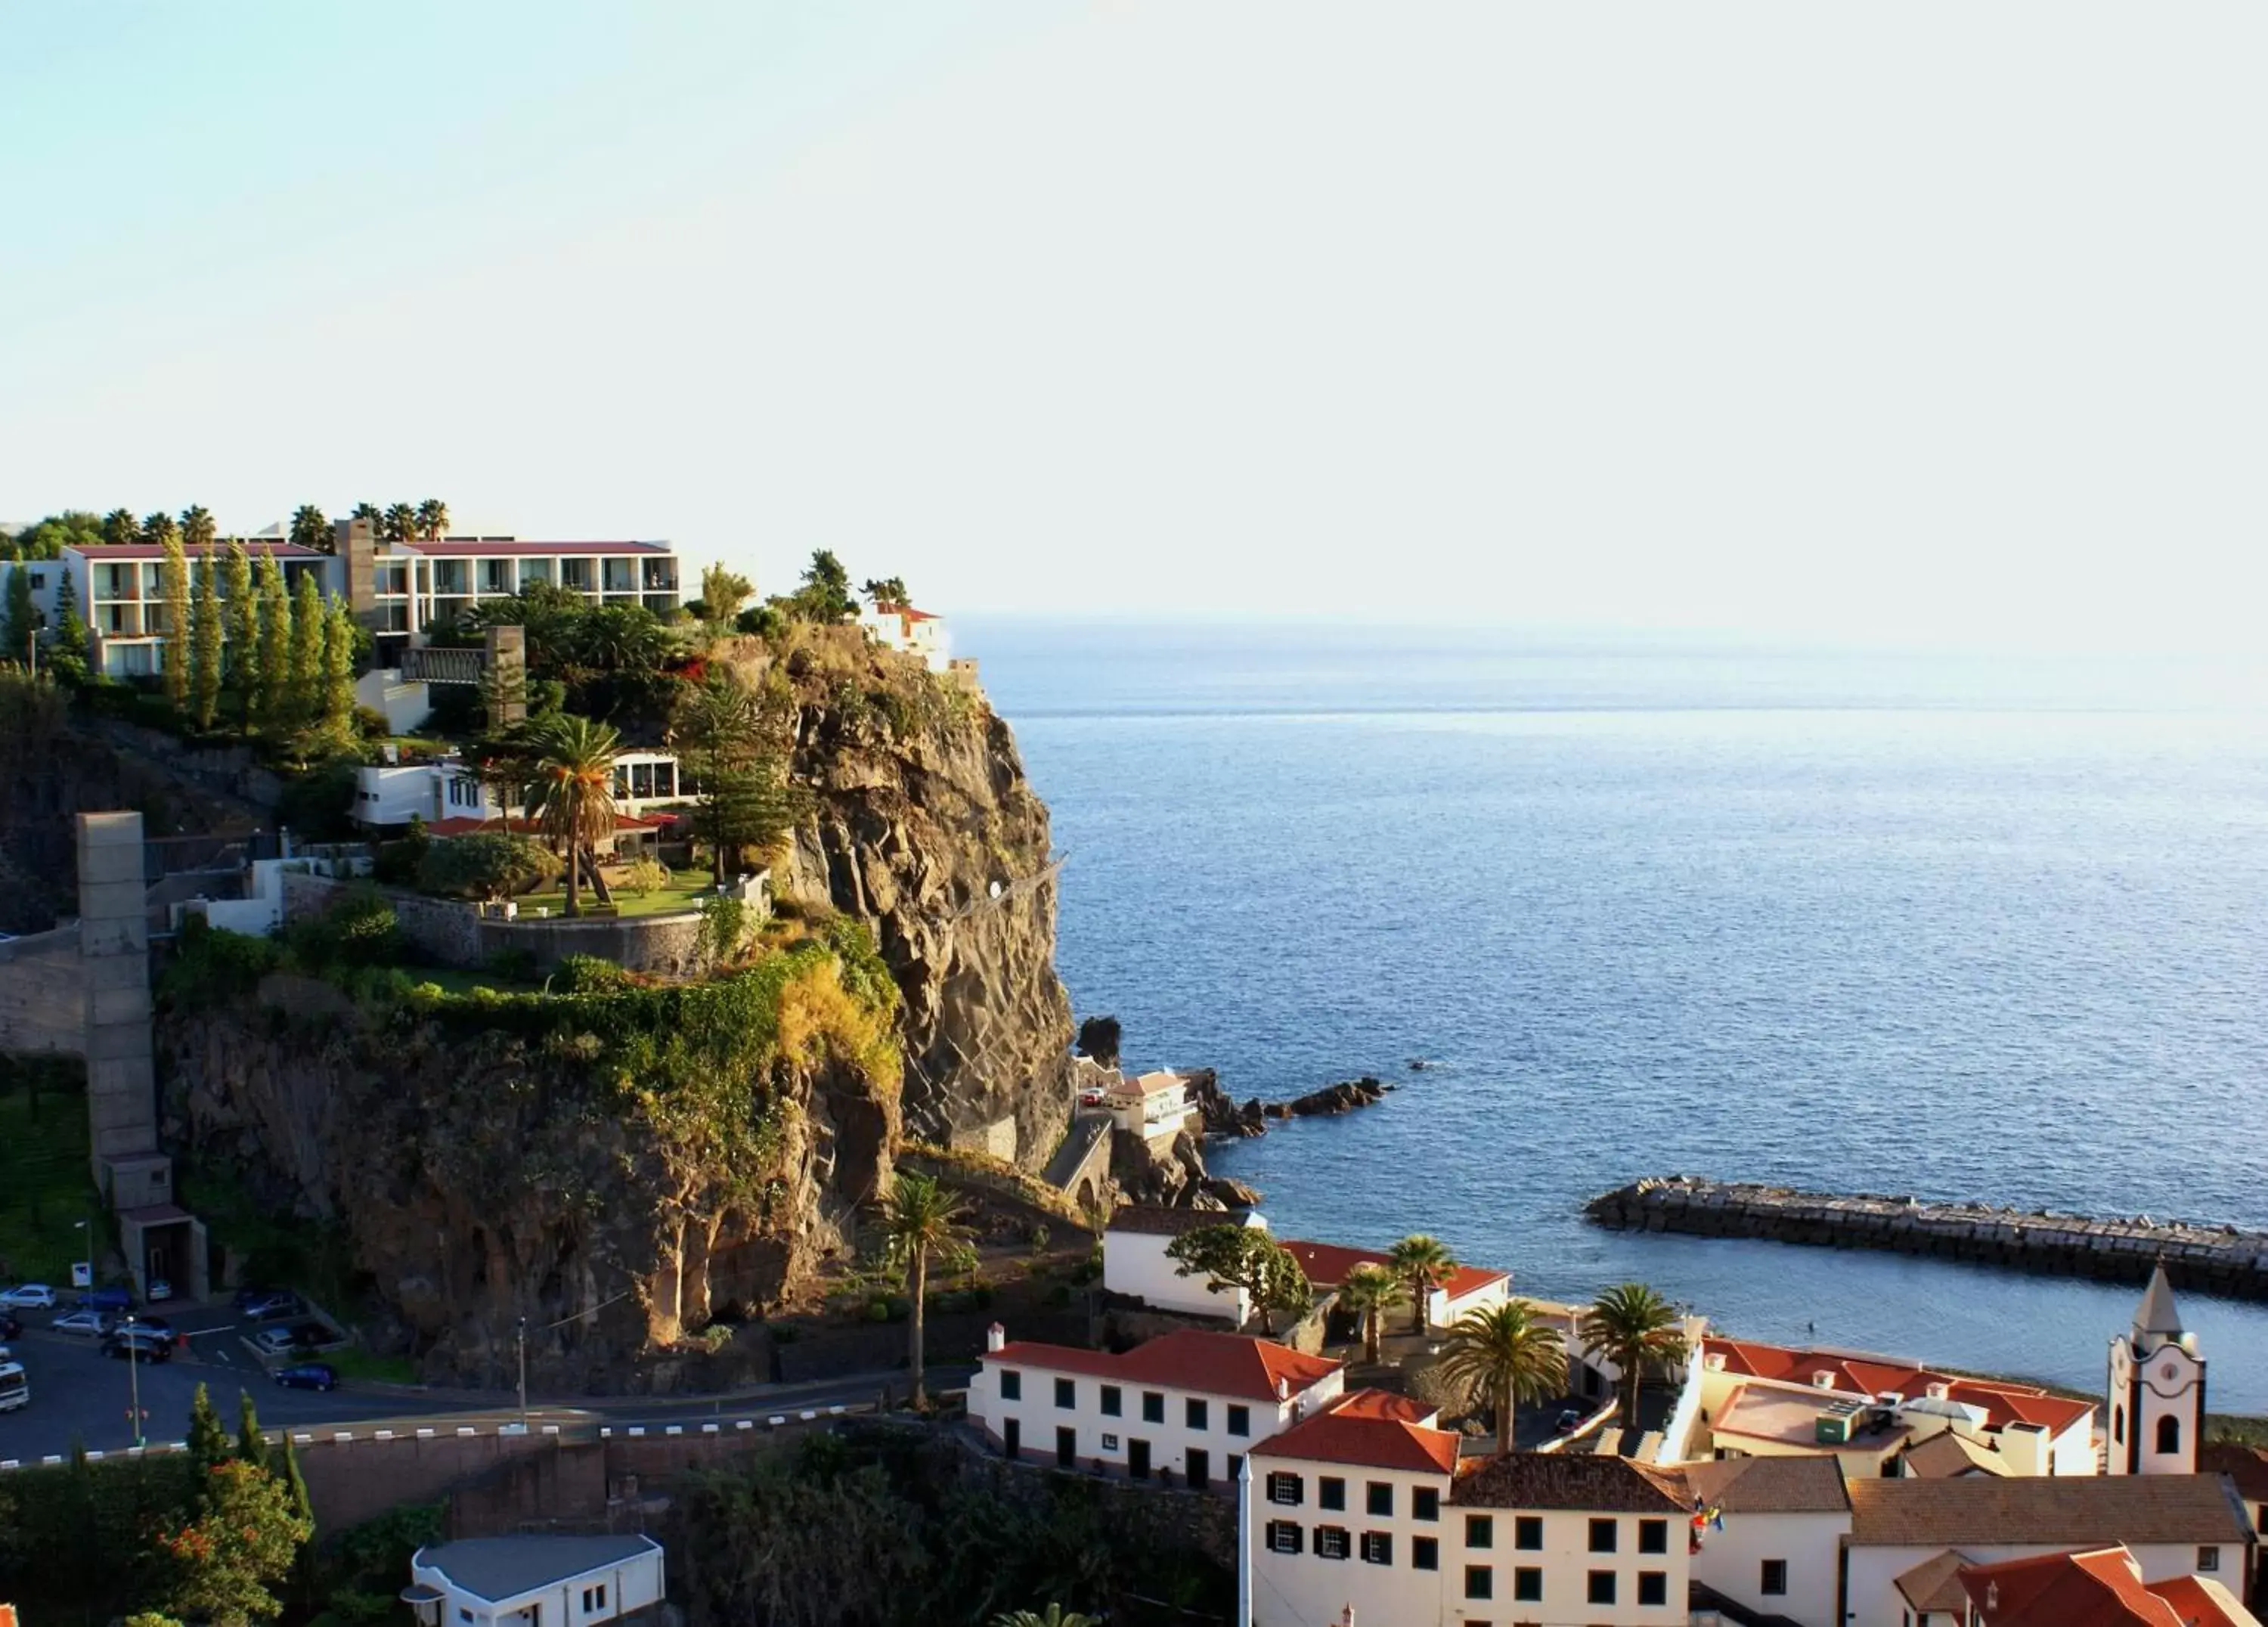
240, 625
303, 701
70, 627
173, 581
205, 631
338, 672
23, 617
272, 613
208, 1438
251, 1446
295, 1485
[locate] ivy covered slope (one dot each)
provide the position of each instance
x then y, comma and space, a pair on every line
922, 812
615, 1165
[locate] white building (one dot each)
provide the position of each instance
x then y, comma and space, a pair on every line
2157, 1390
449, 788
535, 1581
1774, 1545
1156, 1106
911, 632
1908, 1538
1135, 1263
1469, 1287
1188, 1404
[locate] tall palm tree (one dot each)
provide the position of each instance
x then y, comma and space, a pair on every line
120, 525
432, 518
921, 1218
1503, 1356
372, 512
1367, 1291
310, 529
575, 768
1424, 1262
399, 524
1636, 1328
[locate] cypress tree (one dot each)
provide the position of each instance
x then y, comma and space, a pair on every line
70, 627
205, 632
23, 617
208, 1439
173, 582
250, 1446
239, 621
338, 672
303, 701
295, 1485
272, 637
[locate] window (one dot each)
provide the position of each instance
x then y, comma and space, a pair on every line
1330, 1541
594, 1598
1653, 1536
2208, 1559
1774, 1580
1425, 1553
1528, 1584
1480, 1582
1424, 1503
1528, 1533
1153, 1407
1377, 1548
1193, 1412
1286, 1489
1480, 1530
1602, 1537
463, 1615
2119, 1424
2170, 1434
1330, 1492
1114, 1402
1067, 1393
1239, 1420
1284, 1537
1111, 1443
1378, 1496
1653, 1588
1012, 1384
1235, 1466
1599, 1589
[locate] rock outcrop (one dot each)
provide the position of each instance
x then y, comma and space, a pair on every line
1223, 1115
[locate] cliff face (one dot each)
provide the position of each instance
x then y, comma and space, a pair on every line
614, 1168
925, 829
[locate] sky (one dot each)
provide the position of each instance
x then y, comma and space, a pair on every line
1932, 321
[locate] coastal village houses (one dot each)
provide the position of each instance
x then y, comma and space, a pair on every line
1136, 1266
1469, 1288
911, 632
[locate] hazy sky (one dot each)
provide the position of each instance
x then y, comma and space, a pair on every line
1930, 320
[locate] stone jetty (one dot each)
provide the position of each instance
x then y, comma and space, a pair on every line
2211, 1259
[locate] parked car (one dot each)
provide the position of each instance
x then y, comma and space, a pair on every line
143, 1319
139, 1343
268, 1304
94, 1323
160, 1289
29, 1297
305, 1336
314, 1376
108, 1299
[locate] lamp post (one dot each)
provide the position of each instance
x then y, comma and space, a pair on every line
521, 1338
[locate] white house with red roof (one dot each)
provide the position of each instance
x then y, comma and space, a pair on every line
1136, 1265
1155, 1106
1469, 1287
1881, 1414
1188, 1405
911, 632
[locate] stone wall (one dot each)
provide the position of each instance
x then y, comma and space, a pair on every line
442, 928
457, 934
43, 997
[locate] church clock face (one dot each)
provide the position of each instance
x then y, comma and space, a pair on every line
2169, 1372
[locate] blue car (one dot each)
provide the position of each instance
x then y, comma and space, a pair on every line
314, 1376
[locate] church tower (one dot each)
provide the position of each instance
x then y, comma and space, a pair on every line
2157, 1390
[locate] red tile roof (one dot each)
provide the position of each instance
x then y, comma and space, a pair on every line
1188, 1358
1377, 1403
512, 547
907, 611
2201, 1601
1366, 1431
1327, 1265
2099, 1589
114, 553
1865, 1375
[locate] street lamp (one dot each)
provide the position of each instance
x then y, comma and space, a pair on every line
522, 1339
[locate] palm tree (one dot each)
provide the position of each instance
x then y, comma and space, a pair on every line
310, 529
432, 518
1054, 1616
1366, 1291
921, 1218
399, 523
120, 525
1424, 1262
372, 512
1502, 1355
1635, 1328
575, 767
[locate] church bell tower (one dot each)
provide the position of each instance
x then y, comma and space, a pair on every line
2157, 1390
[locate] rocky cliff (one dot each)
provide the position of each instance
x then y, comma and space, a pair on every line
924, 829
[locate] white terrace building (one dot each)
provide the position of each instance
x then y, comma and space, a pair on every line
911, 632
386, 795
1188, 1405
1135, 1263
1156, 1106
535, 1581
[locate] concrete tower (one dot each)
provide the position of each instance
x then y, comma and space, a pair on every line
2157, 1390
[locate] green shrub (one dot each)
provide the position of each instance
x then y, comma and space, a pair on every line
878, 1310
358, 930
513, 965
491, 865
588, 973
212, 965
398, 862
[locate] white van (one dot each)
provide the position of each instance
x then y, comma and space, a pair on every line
15, 1388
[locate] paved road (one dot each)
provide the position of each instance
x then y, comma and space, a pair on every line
78, 1393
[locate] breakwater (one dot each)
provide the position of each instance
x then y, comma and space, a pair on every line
2219, 1260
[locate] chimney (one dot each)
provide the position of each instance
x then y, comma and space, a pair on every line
1824, 1378
1283, 1388
996, 1338
355, 541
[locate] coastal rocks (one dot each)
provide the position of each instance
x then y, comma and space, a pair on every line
1171, 1175
1343, 1097
1223, 1116
1232, 1193
2214, 1259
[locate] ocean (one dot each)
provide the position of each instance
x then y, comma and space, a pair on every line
1960, 927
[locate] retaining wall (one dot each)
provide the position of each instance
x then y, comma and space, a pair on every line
43, 993
457, 934
2219, 1260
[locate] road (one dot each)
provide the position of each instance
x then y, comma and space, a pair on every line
79, 1393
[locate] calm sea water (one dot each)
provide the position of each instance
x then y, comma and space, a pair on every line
1963, 928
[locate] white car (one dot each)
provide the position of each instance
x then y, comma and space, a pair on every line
92, 1323
28, 1297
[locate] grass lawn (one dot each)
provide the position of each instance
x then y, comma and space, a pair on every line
45, 1183
353, 1362
686, 888
457, 981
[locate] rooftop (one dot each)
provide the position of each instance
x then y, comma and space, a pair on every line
500, 1568
1327, 1265
109, 552
510, 548
1188, 1358
1369, 1429
1935, 1584
1157, 1220
1791, 1416
2101, 1587
1156, 1083
1854, 1373
1812, 1485
2248, 1466
2093, 1510
1606, 1485
1953, 1454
